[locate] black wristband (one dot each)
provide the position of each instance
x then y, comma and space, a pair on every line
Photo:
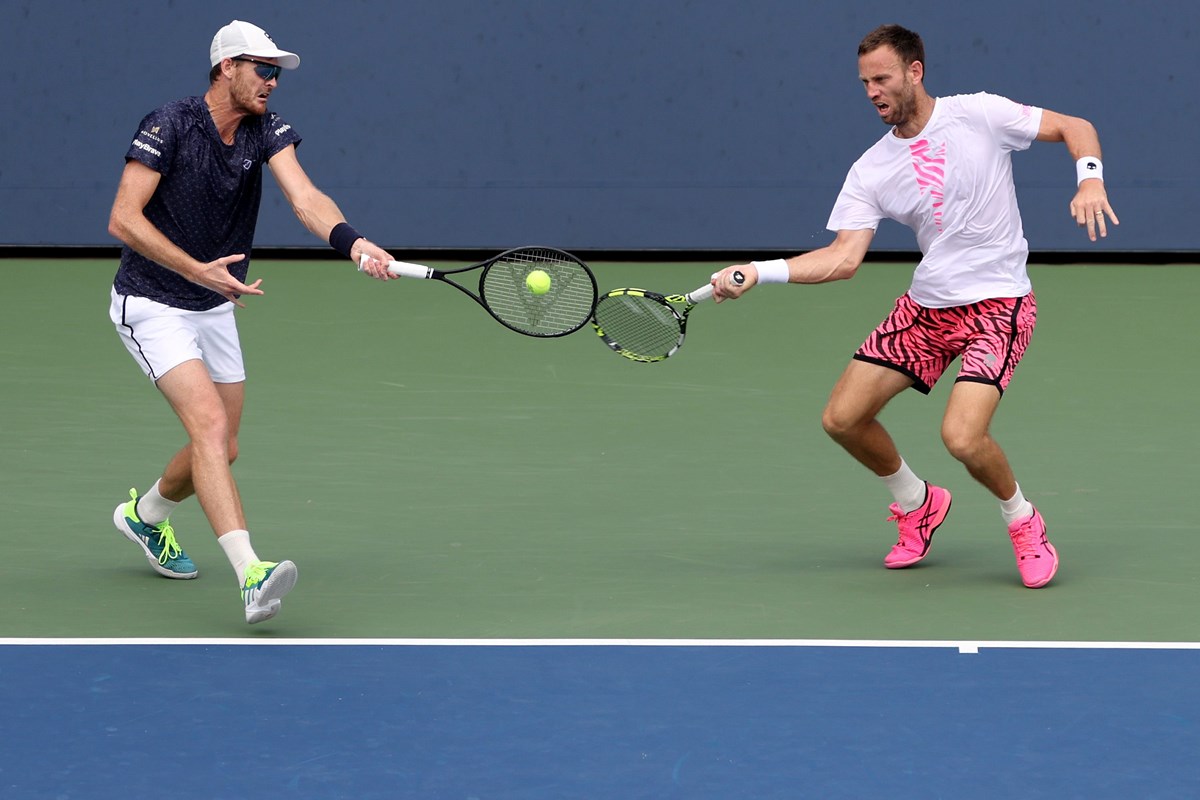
343, 237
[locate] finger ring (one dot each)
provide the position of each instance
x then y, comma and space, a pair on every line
1099, 213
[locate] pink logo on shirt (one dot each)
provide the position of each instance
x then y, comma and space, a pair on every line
930, 165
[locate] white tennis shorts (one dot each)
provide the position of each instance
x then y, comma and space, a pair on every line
160, 337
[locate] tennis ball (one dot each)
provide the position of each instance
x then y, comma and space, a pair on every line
538, 281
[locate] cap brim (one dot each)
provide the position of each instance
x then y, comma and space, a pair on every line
286, 60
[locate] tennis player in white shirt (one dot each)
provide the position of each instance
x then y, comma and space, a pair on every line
943, 169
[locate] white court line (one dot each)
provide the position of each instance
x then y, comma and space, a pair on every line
966, 647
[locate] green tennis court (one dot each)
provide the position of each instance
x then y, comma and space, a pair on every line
434, 475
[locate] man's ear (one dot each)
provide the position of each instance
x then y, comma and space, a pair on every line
916, 71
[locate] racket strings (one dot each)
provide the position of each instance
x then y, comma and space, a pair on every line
638, 326
565, 307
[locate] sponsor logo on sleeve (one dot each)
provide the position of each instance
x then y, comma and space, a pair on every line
140, 145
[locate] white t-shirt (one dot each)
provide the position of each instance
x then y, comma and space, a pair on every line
952, 184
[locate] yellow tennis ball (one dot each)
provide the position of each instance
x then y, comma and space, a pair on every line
538, 281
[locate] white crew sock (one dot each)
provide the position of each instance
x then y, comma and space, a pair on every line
152, 508
906, 488
1016, 507
236, 545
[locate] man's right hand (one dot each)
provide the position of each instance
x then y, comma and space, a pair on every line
215, 275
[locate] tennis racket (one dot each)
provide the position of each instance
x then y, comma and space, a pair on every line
564, 308
646, 326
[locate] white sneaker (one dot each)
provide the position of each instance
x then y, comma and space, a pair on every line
266, 584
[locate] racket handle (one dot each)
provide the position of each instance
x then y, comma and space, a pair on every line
706, 291
406, 270
401, 268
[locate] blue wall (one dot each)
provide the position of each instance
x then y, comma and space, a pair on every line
598, 124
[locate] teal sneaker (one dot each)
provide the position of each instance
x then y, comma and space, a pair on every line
165, 555
266, 584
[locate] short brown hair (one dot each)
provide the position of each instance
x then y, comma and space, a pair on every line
906, 43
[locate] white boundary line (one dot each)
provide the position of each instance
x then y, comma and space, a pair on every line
968, 647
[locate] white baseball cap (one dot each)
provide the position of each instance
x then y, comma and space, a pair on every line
245, 39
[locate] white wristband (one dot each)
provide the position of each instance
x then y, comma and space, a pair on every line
1088, 167
773, 271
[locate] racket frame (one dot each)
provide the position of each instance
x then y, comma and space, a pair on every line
670, 302
407, 269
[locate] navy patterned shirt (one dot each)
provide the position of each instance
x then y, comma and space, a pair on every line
207, 200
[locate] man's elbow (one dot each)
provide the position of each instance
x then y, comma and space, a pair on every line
845, 254
1064, 128
1078, 128
845, 264
846, 269
116, 226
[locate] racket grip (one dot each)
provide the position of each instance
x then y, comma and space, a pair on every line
706, 291
401, 268
700, 295
406, 270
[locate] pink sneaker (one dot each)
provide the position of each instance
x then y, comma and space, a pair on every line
1037, 559
917, 527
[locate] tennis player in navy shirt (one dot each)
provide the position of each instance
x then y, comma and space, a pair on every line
186, 209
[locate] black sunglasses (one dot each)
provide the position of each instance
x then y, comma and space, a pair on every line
261, 68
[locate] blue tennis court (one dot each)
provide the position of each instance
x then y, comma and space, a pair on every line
527, 719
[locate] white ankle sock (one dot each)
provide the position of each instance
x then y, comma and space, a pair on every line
152, 507
236, 545
906, 488
1016, 507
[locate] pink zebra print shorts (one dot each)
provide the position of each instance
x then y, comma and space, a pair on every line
991, 336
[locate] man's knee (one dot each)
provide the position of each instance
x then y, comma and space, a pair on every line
962, 442
839, 422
